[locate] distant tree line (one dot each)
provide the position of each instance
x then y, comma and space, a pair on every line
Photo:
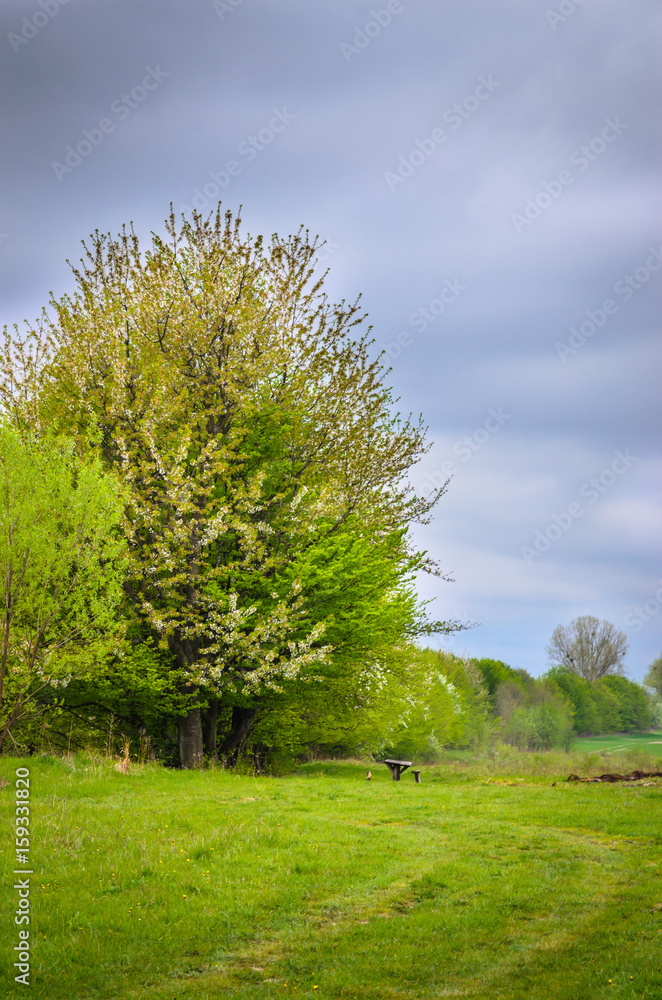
414, 704
550, 711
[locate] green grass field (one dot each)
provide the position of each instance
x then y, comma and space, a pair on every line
485, 881
651, 743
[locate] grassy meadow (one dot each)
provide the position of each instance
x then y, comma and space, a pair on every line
650, 743
485, 881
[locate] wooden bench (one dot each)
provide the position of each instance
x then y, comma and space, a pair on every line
396, 767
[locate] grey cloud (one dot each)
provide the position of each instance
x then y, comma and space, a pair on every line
450, 219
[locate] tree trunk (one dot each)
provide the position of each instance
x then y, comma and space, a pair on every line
190, 739
242, 720
209, 725
189, 725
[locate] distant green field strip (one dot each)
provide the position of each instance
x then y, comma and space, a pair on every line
625, 746
648, 742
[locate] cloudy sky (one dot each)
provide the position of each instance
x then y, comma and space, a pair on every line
486, 174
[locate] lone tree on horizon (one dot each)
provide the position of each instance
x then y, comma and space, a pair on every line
589, 647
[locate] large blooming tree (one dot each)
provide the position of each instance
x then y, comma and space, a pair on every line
268, 514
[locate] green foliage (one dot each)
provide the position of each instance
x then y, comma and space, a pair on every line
653, 682
495, 672
539, 727
62, 559
532, 714
137, 692
409, 703
653, 678
434, 699
579, 693
607, 705
534, 717
634, 710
